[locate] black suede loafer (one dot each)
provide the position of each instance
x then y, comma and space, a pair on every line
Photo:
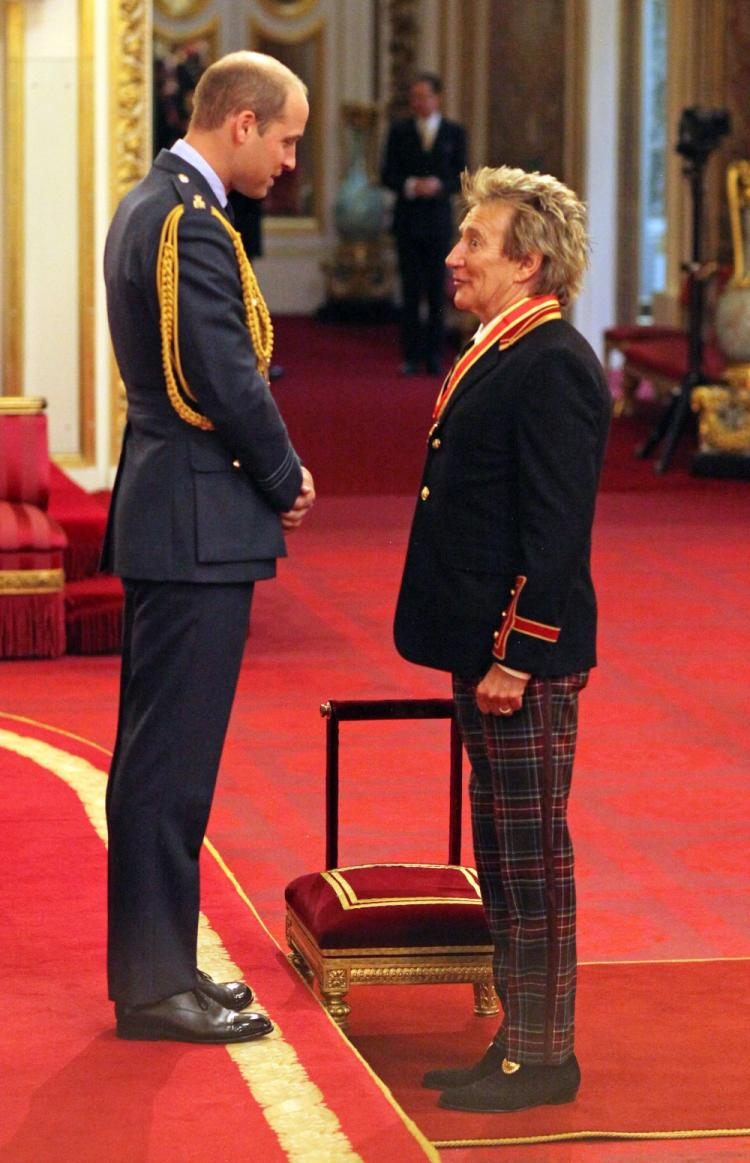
516, 1088
189, 1017
491, 1060
233, 995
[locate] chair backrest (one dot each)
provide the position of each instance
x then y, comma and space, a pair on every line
336, 711
24, 458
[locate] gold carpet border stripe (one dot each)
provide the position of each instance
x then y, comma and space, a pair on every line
55, 730
565, 1137
294, 1108
407, 1121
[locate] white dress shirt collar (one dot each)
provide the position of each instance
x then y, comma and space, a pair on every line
198, 162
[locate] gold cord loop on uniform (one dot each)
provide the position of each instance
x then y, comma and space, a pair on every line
167, 280
258, 316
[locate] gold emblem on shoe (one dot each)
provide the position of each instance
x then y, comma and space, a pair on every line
510, 1067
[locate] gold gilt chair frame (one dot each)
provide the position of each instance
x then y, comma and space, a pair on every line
336, 970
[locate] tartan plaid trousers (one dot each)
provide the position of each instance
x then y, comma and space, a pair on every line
522, 766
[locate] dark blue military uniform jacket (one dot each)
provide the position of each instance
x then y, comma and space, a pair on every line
188, 504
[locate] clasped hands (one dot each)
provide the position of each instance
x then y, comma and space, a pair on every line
292, 519
427, 187
499, 692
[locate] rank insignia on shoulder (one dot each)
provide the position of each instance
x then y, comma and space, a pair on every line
183, 178
199, 202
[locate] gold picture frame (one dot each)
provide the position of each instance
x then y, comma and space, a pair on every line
180, 9
296, 201
288, 9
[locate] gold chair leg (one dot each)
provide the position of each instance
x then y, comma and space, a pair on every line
337, 1006
485, 999
299, 963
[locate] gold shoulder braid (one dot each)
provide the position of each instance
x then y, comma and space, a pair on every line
167, 279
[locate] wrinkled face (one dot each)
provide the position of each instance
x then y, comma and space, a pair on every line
423, 100
264, 156
485, 281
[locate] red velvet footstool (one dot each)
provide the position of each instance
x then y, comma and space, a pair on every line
389, 924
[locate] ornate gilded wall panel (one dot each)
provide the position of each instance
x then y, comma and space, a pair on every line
130, 133
130, 73
527, 49
86, 261
535, 116
13, 283
403, 39
295, 201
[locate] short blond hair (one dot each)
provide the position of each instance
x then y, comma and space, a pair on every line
243, 80
548, 219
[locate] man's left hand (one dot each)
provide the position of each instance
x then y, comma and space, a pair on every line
500, 693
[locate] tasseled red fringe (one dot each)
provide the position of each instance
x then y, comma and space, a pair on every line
95, 631
32, 625
81, 559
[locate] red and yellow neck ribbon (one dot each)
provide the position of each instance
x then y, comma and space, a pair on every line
507, 329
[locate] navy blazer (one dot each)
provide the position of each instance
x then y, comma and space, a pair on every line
189, 504
405, 157
498, 562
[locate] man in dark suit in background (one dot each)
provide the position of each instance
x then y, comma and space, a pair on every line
424, 157
206, 486
497, 590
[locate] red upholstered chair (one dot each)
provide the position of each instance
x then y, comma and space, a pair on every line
389, 924
32, 620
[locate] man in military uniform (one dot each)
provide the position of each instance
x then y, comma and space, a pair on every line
497, 590
208, 482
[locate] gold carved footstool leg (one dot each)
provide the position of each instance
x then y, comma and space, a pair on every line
485, 998
334, 988
300, 964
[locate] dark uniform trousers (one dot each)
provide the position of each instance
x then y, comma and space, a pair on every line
182, 649
522, 766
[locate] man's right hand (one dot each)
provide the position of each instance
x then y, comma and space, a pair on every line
305, 501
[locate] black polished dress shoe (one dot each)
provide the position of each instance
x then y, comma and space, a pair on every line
433, 367
189, 1017
233, 995
516, 1088
491, 1060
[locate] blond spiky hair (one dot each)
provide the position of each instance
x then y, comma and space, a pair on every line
549, 219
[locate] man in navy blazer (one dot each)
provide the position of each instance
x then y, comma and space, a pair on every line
497, 590
207, 484
423, 160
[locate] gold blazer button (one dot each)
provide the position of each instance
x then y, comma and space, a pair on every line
236, 464
425, 493
437, 442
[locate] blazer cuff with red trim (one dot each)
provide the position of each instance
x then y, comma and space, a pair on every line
512, 622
